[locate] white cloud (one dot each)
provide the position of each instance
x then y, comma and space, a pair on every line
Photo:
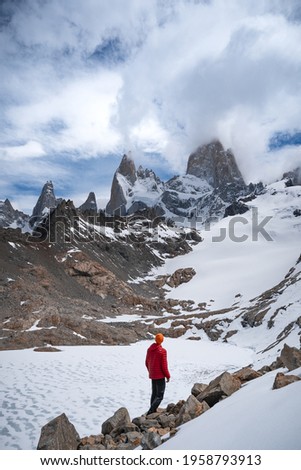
191, 71
31, 149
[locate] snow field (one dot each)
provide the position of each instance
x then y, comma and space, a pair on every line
89, 383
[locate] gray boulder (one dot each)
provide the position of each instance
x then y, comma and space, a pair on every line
59, 434
222, 386
151, 440
198, 388
120, 418
191, 409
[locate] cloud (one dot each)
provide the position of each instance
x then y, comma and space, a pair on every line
221, 70
84, 81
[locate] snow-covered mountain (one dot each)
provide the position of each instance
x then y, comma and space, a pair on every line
212, 182
10, 217
133, 190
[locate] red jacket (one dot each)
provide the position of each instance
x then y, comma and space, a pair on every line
156, 362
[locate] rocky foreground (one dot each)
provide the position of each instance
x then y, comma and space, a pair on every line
119, 432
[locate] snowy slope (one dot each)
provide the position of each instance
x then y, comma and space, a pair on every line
231, 266
255, 417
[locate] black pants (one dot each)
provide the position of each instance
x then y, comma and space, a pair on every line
158, 389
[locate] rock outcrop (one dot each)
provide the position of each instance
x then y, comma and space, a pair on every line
133, 190
217, 166
290, 357
282, 380
90, 205
222, 386
293, 178
59, 434
45, 203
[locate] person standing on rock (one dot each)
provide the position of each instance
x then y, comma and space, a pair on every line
157, 366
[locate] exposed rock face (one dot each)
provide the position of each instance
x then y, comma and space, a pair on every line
236, 208
10, 216
59, 434
215, 165
180, 276
282, 380
124, 178
46, 201
290, 357
223, 385
133, 190
293, 177
127, 168
90, 205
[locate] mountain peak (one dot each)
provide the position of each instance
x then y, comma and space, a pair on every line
212, 163
127, 168
90, 203
10, 217
46, 201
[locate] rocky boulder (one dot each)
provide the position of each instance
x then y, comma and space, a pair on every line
191, 409
282, 380
246, 374
120, 418
180, 276
151, 440
222, 386
290, 357
58, 434
198, 388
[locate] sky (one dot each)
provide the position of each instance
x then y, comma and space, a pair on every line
83, 82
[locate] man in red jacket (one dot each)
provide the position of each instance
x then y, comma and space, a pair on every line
156, 363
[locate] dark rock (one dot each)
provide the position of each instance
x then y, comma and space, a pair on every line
293, 177
120, 418
59, 434
45, 203
282, 380
167, 420
151, 440
223, 385
124, 429
90, 205
236, 208
198, 388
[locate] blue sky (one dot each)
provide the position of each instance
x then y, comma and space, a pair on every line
83, 82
